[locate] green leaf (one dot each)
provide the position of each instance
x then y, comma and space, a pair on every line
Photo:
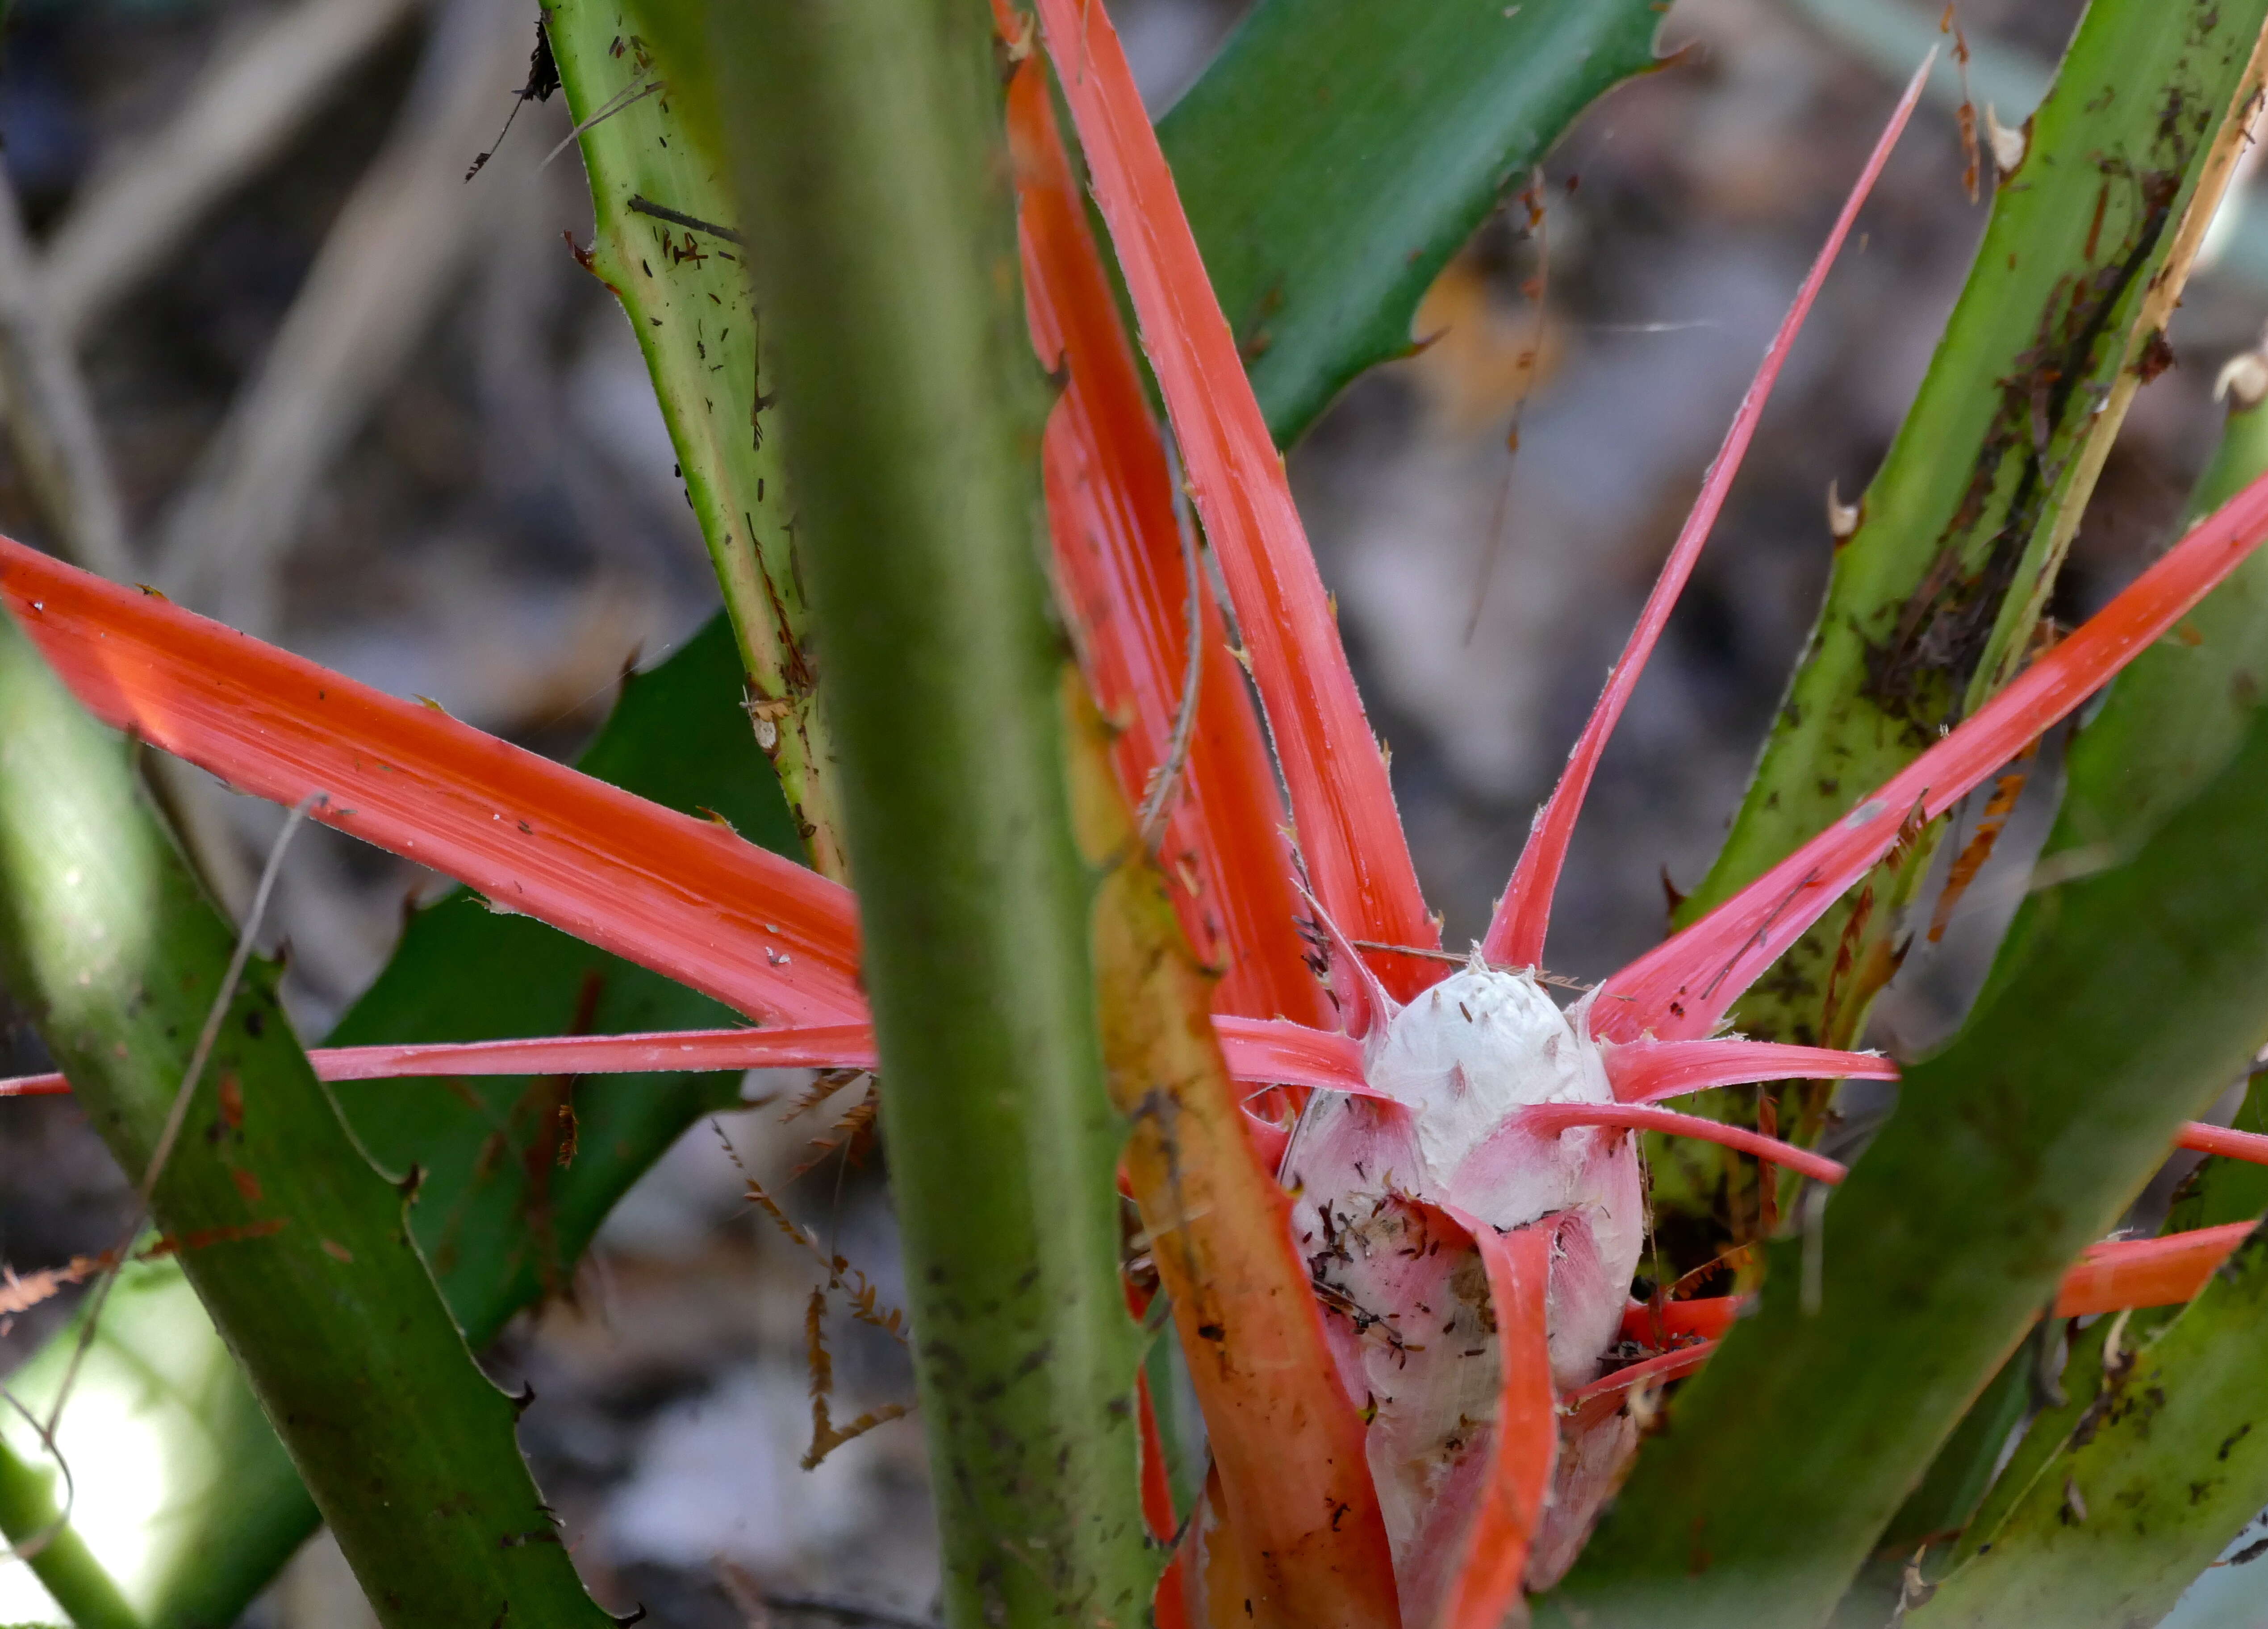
2171, 720
2168, 1464
1338, 152
665, 244
2180, 709
1933, 600
2077, 1384
2124, 1001
1959, 1477
2222, 1190
501, 1216
1947, 1495
158, 1375
1961, 531
2170, 744
2046, 1446
297, 1245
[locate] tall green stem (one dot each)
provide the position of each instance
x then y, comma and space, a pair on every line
876, 186
663, 242
61, 1561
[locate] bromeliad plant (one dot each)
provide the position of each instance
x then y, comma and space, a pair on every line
1393, 1210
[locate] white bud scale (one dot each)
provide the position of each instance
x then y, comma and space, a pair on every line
1406, 1309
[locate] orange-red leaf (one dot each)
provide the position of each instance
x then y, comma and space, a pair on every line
1350, 834
1524, 1437
2147, 1272
1302, 1518
1124, 580
682, 897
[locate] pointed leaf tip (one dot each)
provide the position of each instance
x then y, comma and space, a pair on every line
1646, 1072
1517, 930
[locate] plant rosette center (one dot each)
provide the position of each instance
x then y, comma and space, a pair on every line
1384, 1178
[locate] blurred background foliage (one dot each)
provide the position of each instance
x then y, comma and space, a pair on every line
363, 406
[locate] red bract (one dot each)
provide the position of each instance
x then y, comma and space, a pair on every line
1132, 581
1515, 935
1350, 832
1123, 573
762, 935
1505, 1159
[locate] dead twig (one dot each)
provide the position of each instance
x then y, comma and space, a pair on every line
171, 1132
826, 1435
1157, 803
864, 1299
382, 276
22, 1292
636, 91
239, 115
694, 223
542, 83
50, 416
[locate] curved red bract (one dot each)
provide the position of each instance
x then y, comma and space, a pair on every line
684, 896
1646, 1071
1683, 988
1275, 1412
1548, 1119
